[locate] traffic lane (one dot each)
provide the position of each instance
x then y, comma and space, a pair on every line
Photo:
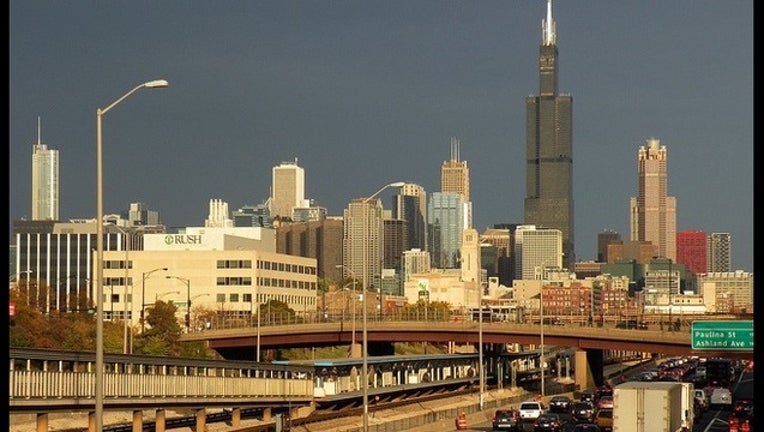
486, 426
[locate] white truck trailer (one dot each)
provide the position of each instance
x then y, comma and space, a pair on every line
650, 406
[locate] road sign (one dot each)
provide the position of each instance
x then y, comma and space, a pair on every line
728, 335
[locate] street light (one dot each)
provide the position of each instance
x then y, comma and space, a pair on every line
188, 299
364, 369
144, 276
99, 247
480, 346
541, 319
352, 331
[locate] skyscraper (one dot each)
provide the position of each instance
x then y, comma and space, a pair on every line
549, 147
363, 239
287, 189
455, 177
692, 250
454, 173
44, 181
411, 205
445, 213
652, 211
719, 252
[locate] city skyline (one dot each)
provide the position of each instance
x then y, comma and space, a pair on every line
366, 94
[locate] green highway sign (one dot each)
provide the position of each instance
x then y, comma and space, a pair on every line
722, 335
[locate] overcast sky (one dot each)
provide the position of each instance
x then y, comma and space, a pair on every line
364, 93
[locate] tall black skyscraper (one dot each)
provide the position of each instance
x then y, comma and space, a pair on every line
549, 147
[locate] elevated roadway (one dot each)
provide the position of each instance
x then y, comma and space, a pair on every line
238, 343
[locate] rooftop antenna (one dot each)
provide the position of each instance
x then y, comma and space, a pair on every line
549, 27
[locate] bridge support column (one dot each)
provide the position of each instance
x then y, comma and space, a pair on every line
236, 417
91, 421
201, 420
161, 420
267, 416
584, 377
137, 421
42, 422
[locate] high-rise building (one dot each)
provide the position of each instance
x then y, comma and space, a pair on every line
45, 198
454, 173
411, 205
541, 250
549, 147
692, 250
455, 177
720, 252
445, 213
287, 189
652, 211
395, 240
363, 239
252, 216
603, 240
218, 215
139, 214
320, 239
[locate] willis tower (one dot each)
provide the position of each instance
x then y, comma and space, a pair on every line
549, 142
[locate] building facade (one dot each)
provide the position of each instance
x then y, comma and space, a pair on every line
287, 189
692, 250
363, 239
321, 240
652, 212
549, 147
411, 205
444, 228
719, 252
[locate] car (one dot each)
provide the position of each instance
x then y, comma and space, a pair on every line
560, 403
507, 420
548, 422
582, 412
531, 410
588, 396
604, 419
720, 397
631, 324
605, 402
741, 408
586, 427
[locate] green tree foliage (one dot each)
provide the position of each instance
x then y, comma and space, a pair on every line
162, 331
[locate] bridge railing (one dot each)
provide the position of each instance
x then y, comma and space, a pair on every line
54, 385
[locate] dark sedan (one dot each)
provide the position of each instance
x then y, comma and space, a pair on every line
560, 404
548, 422
507, 420
582, 412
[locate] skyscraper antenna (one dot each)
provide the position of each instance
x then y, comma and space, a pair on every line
549, 27
39, 136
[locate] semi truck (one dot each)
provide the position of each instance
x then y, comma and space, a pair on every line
652, 406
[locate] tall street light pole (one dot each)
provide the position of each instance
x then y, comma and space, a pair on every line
146, 275
99, 248
365, 355
541, 320
352, 331
188, 300
480, 347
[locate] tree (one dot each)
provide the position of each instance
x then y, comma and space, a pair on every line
161, 337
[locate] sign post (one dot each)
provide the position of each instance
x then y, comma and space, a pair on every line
722, 335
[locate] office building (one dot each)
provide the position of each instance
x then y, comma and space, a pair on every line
604, 239
218, 215
692, 250
445, 213
139, 214
287, 189
719, 252
363, 239
411, 205
320, 239
652, 211
540, 250
252, 216
549, 147
45, 181
454, 173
